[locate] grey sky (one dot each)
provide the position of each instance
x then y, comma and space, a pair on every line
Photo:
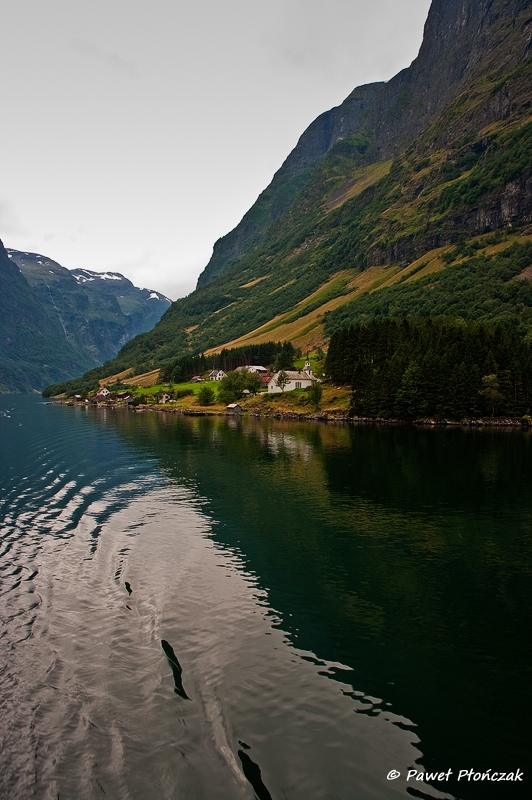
135, 133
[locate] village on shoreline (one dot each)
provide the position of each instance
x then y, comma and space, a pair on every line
296, 394
334, 408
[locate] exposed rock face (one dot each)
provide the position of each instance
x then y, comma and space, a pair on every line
463, 41
511, 206
329, 128
459, 43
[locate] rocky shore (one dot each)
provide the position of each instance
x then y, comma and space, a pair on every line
320, 416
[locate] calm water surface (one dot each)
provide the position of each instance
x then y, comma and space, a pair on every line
335, 602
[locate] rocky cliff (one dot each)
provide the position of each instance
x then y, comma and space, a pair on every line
328, 129
464, 41
33, 348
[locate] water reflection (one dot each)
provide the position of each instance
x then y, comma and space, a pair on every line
333, 603
402, 554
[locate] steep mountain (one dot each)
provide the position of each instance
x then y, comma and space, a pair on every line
98, 311
56, 323
33, 348
424, 181
464, 42
329, 128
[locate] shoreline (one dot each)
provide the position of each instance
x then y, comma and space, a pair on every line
317, 416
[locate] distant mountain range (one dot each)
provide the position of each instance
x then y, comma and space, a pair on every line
413, 197
56, 322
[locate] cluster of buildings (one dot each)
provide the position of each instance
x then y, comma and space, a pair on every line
219, 374
104, 395
290, 379
281, 381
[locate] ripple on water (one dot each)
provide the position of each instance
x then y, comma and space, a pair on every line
105, 557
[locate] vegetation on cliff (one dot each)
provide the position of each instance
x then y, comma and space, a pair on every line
486, 288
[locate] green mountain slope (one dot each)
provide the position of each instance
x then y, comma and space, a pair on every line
98, 311
376, 194
33, 348
55, 323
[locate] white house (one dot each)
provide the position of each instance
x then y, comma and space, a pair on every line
217, 375
296, 379
253, 368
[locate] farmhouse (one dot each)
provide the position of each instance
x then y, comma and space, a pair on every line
102, 395
253, 368
295, 379
217, 375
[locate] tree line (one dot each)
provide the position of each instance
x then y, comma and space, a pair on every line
281, 355
432, 367
179, 370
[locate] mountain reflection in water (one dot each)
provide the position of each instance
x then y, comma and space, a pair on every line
338, 601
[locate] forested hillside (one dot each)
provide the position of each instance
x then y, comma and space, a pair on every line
433, 367
388, 205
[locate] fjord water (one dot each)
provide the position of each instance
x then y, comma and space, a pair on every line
334, 602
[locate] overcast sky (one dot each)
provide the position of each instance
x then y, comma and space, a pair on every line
135, 133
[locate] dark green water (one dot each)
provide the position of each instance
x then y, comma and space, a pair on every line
344, 601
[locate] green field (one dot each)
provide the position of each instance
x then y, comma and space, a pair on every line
171, 387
